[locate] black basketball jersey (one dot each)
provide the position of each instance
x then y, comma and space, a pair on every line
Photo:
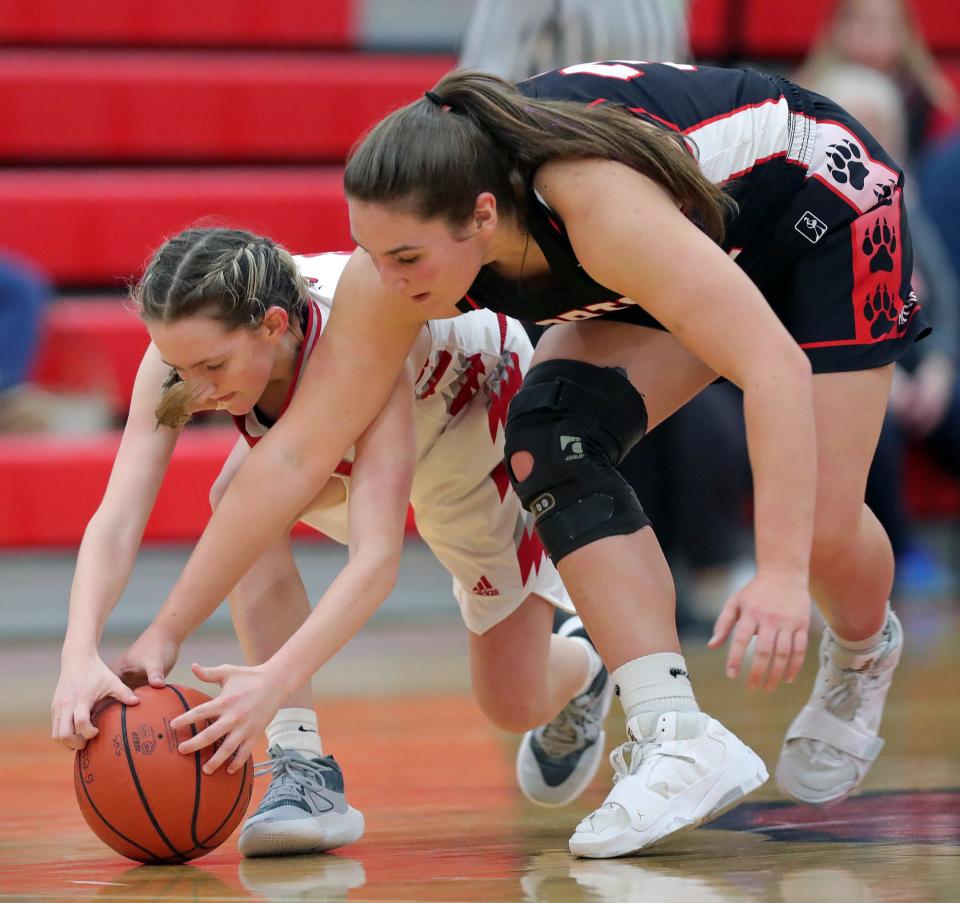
748, 131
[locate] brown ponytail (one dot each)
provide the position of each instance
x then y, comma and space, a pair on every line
436, 161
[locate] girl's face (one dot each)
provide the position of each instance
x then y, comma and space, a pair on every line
229, 368
870, 32
423, 260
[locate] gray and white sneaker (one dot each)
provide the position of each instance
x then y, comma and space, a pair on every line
304, 809
557, 761
832, 743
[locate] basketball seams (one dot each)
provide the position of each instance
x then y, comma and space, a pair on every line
136, 783
79, 782
197, 771
240, 792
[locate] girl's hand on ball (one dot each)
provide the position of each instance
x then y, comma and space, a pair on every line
84, 681
237, 717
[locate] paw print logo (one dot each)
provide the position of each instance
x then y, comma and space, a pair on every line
880, 244
843, 162
880, 312
884, 192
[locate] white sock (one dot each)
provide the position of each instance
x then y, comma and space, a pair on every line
869, 643
295, 729
594, 664
655, 683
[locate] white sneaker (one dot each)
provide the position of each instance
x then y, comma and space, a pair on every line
557, 761
832, 743
304, 810
684, 769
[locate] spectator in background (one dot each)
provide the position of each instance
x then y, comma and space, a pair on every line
883, 35
925, 396
518, 40
24, 292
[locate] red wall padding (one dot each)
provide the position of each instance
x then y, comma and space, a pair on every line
711, 34
270, 23
97, 227
53, 485
154, 106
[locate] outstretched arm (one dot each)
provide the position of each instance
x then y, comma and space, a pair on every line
106, 558
346, 382
379, 495
630, 236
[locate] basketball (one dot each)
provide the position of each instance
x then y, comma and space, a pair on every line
145, 799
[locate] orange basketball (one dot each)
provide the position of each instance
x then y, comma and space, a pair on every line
145, 799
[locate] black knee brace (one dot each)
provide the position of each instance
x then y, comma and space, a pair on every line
578, 421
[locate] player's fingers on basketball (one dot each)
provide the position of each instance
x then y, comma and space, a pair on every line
763, 651
799, 643
210, 734
224, 751
82, 724
725, 621
742, 634
782, 653
195, 715
123, 693
239, 758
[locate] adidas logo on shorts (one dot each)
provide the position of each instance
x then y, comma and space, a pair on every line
485, 588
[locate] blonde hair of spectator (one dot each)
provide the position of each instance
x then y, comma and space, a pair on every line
914, 57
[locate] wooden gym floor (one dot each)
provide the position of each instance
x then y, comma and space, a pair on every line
445, 821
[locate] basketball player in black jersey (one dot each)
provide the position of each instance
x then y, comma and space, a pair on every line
671, 224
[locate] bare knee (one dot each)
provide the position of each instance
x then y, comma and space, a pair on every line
511, 711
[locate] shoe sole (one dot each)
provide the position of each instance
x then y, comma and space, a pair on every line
585, 778
304, 835
740, 778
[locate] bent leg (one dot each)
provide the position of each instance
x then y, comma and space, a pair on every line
522, 673
616, 573
832, 743
851, 566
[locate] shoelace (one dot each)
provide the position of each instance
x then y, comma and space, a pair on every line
572, 729
286, 770
628, 758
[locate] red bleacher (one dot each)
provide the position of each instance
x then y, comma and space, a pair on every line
191, 106
131, 119
52, 485
97, 226
215, 23
92, 345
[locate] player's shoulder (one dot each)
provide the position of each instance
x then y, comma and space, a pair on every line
322, 271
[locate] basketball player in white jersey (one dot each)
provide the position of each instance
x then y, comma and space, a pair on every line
233, 318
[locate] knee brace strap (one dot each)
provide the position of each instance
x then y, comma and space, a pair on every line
578, 421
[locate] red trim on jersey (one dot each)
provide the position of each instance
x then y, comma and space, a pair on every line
502, 323
666, 122
471, 302
731, 113
743, 172
597, 102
